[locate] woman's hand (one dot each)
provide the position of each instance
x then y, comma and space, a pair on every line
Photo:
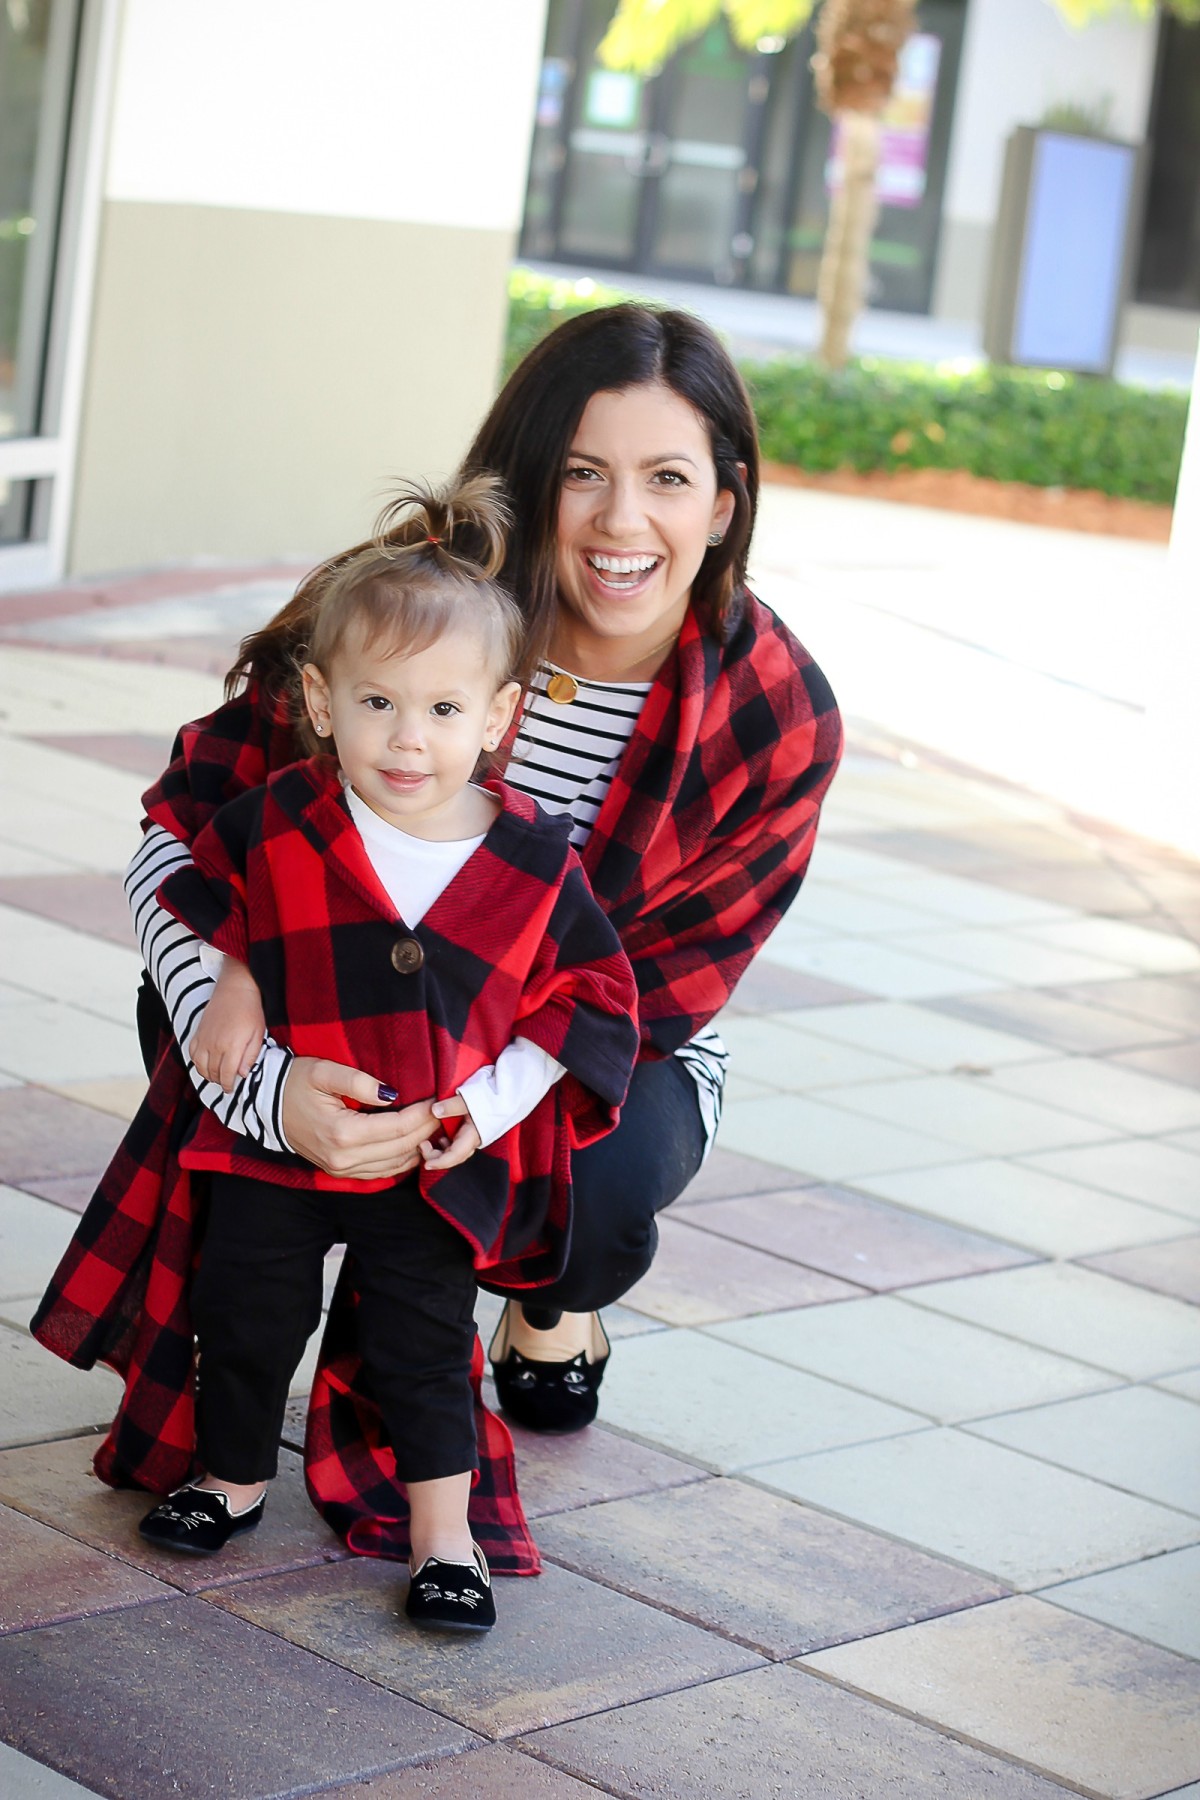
355, 1146
444, 1151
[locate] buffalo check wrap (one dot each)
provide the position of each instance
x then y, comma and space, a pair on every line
698, 850
514, 946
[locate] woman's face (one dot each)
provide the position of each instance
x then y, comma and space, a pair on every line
639, 500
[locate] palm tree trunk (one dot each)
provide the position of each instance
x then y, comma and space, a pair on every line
845, 260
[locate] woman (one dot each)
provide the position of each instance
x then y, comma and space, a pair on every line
688, 734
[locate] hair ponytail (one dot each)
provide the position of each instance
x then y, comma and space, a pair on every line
465, 526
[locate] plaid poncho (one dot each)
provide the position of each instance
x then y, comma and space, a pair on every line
699, 848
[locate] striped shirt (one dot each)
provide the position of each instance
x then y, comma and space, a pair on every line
565, 756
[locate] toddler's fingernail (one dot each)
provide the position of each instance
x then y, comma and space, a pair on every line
438, 1110
388, 1095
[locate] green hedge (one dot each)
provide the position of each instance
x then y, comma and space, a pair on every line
1044, 428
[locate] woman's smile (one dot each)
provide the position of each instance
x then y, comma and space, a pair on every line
638, 507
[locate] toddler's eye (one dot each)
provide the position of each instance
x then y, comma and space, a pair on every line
443, 709
377, 702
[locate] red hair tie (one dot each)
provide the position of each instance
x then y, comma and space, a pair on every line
433, 540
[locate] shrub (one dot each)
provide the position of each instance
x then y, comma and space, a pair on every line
1041, 427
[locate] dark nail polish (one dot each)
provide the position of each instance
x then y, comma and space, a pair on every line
388, 1095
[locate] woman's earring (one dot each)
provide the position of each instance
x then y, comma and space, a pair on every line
715, 538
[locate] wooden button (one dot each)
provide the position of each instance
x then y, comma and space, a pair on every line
407, 956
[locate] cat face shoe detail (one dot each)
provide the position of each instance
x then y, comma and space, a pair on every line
452, 1596
198, 1521
549, 1396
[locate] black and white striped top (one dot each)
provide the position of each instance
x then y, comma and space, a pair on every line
564, 757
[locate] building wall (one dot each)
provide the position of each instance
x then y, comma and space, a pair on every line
307, 220
1021, 57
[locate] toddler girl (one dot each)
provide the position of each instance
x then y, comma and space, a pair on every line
377, 906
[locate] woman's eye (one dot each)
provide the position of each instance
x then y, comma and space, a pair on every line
444, 709
581, 472
672, 478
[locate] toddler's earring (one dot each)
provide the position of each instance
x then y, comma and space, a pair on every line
320, 730
715, 538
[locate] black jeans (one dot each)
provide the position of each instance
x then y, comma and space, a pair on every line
256, 1300
619, 1185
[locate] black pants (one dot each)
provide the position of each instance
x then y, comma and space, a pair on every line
257, 1299
619, 1185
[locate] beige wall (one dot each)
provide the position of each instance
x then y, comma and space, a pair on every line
254, 378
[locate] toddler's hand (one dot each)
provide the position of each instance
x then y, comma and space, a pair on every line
231, 1029
445, 1152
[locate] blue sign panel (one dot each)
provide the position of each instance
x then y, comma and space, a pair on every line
1071, 272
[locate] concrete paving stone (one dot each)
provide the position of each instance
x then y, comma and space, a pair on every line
1069, 1697
1078, 1313
975, 1113
1153, 1170
948, 1370
981, 1504
562, 1646
846, 1234
46, 1577
1026, 1207
724, 1175
42, 1397
1051, 1019
120, 1097
58, 1043
1148, 952
18, 859
1186, 1140
970, 902
1192, 1792
1135, 1438
54, 1483
752, 1737
848, 911
33, 1236
778, 1050
43, 1135
1168, 1000
92, 903
180, 1698
1187, 1383
559, 1473
498, 1772
1167, 1062
698, 1278
23, 1779
886, 971
57, 693
1093, 1089
827, 1142
1011, 959
725, 1408
767, 985
136, 752
756, 1567
1168, 1268
920, 1035
1158, 1600
71, 1191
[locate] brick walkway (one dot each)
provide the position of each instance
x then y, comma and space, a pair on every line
896, 1490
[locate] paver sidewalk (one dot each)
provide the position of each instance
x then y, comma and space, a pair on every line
896, 1487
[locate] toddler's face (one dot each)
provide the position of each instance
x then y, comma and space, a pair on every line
409, 729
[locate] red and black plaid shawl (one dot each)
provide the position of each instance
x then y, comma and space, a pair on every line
515, 945
698, 850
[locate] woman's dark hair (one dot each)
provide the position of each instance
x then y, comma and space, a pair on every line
527, 435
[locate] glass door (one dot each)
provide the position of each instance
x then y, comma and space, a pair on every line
38, 41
